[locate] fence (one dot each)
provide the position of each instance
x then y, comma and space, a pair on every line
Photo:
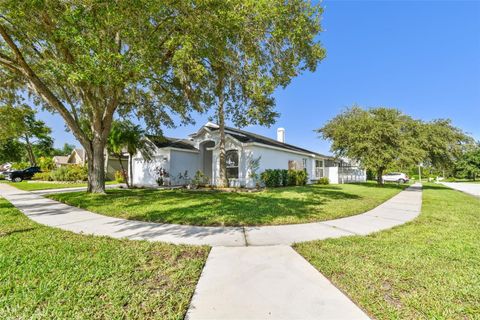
348, 174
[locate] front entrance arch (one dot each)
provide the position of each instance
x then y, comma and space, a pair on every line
207, 158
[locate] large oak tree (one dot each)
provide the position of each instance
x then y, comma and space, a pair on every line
91, 60
383, 138
263, 45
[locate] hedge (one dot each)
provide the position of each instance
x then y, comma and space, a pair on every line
67, 173
323, 180
281, 178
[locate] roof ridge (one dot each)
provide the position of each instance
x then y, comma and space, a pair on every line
273, 140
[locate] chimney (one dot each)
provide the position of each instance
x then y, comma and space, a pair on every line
281, 135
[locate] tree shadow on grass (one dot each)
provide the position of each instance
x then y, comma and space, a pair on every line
429, 186
236, 209
7, 233
282, 205
386, 185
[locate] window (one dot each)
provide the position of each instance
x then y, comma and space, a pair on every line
231, 159
319, 168
304, 163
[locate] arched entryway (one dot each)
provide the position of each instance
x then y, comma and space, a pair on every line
207, 158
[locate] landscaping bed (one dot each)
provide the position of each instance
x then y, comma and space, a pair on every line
269, 207
426, 269
46, 273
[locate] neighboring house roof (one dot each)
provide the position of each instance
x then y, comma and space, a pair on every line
61, 159
248, 137
164, 142
78, 156
5, 166
81, 153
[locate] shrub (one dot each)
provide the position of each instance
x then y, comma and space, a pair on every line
200, 179
70, 173
20, 165
302, 177
2, 177
46, 163
273, 177
284, 174
323, 180
282, 178
277, 178
43, 176
291, 177
120, 176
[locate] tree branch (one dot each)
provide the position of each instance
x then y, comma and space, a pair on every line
42, 90
9, 63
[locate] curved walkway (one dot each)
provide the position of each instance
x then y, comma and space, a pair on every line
267, 281
403, 207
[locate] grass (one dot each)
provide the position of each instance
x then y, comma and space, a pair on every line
426, 269
273, 206
33, 185
46, 273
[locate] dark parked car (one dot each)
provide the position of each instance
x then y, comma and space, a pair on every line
19, 175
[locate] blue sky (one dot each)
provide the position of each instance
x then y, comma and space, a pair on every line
420, 57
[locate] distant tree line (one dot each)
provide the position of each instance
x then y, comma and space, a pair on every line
385, 139
24, 138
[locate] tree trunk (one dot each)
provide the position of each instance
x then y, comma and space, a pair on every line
223, 182
31, 156
96, 167
124, 173
379, 176
130, 170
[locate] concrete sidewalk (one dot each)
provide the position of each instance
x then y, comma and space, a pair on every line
251, 273
470, 188
272, 282
403, 207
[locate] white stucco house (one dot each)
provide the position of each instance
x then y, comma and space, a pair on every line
200, 152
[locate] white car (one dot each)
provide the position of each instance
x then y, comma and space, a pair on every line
395, 177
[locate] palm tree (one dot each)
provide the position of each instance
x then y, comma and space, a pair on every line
127, 136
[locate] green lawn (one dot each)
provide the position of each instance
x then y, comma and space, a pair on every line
46, 273
32, 186
273, 206
426, 269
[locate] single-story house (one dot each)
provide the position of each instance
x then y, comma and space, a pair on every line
60, 161
78, 156
179, 159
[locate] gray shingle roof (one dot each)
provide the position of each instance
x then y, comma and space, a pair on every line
246, 137
164, 142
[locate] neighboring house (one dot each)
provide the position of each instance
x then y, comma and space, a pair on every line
79, 157
5, 167
60, 161
201, 153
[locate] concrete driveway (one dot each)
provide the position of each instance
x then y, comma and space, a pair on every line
470, 188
